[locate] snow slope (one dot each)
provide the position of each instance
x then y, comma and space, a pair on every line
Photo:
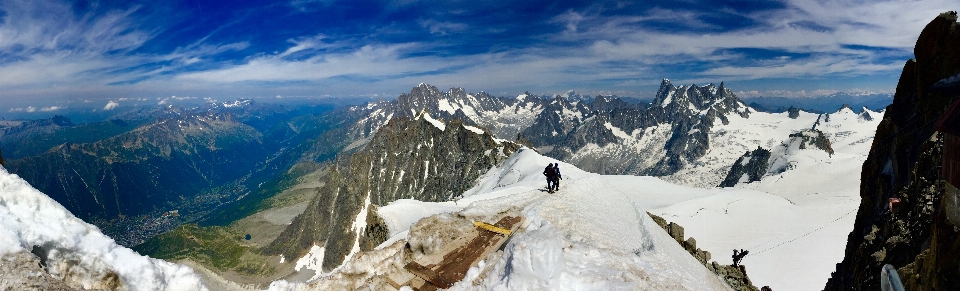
74, 251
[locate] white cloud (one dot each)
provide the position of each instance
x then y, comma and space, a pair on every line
51, 108
442, 28
816, 67
369, 60
805, 93
304, 43
111, 105
22, 109
570, 20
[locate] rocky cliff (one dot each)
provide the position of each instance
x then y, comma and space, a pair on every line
904, 162
749, 168
735, 276
408, 158
656, 139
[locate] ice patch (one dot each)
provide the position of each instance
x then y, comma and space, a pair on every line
666, 101
473, 129
437, 123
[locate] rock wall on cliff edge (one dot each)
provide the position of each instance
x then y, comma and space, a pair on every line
904, 162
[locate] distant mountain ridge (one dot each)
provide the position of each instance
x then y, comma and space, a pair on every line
822, 104
605, 135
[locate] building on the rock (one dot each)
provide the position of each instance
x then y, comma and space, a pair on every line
949, 127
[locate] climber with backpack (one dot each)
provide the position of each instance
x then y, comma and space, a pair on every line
556, 177
549, 173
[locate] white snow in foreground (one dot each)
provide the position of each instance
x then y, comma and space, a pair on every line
78, 250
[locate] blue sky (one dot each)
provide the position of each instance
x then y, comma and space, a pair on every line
56, 53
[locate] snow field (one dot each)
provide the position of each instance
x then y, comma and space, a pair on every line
847, 132
77, 252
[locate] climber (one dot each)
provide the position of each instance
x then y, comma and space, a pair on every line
737, 257
556, 177
549, 173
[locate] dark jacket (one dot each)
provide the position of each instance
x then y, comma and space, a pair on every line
550, 172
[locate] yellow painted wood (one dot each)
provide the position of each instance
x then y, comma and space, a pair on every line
492, 228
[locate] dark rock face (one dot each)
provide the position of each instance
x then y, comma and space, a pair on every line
793, 112
904, 163
406, 159
813, 138
604, 103
480, 108
550, 127
563, 126
753, 164
690, 112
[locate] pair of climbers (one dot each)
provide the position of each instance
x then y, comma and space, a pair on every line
552, 171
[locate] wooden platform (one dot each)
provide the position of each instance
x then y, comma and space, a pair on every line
455, 264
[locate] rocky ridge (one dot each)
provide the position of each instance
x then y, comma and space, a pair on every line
749, 168
735, 277
408, 158
602, 134
656, 139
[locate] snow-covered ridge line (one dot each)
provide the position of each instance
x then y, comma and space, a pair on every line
74, 251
